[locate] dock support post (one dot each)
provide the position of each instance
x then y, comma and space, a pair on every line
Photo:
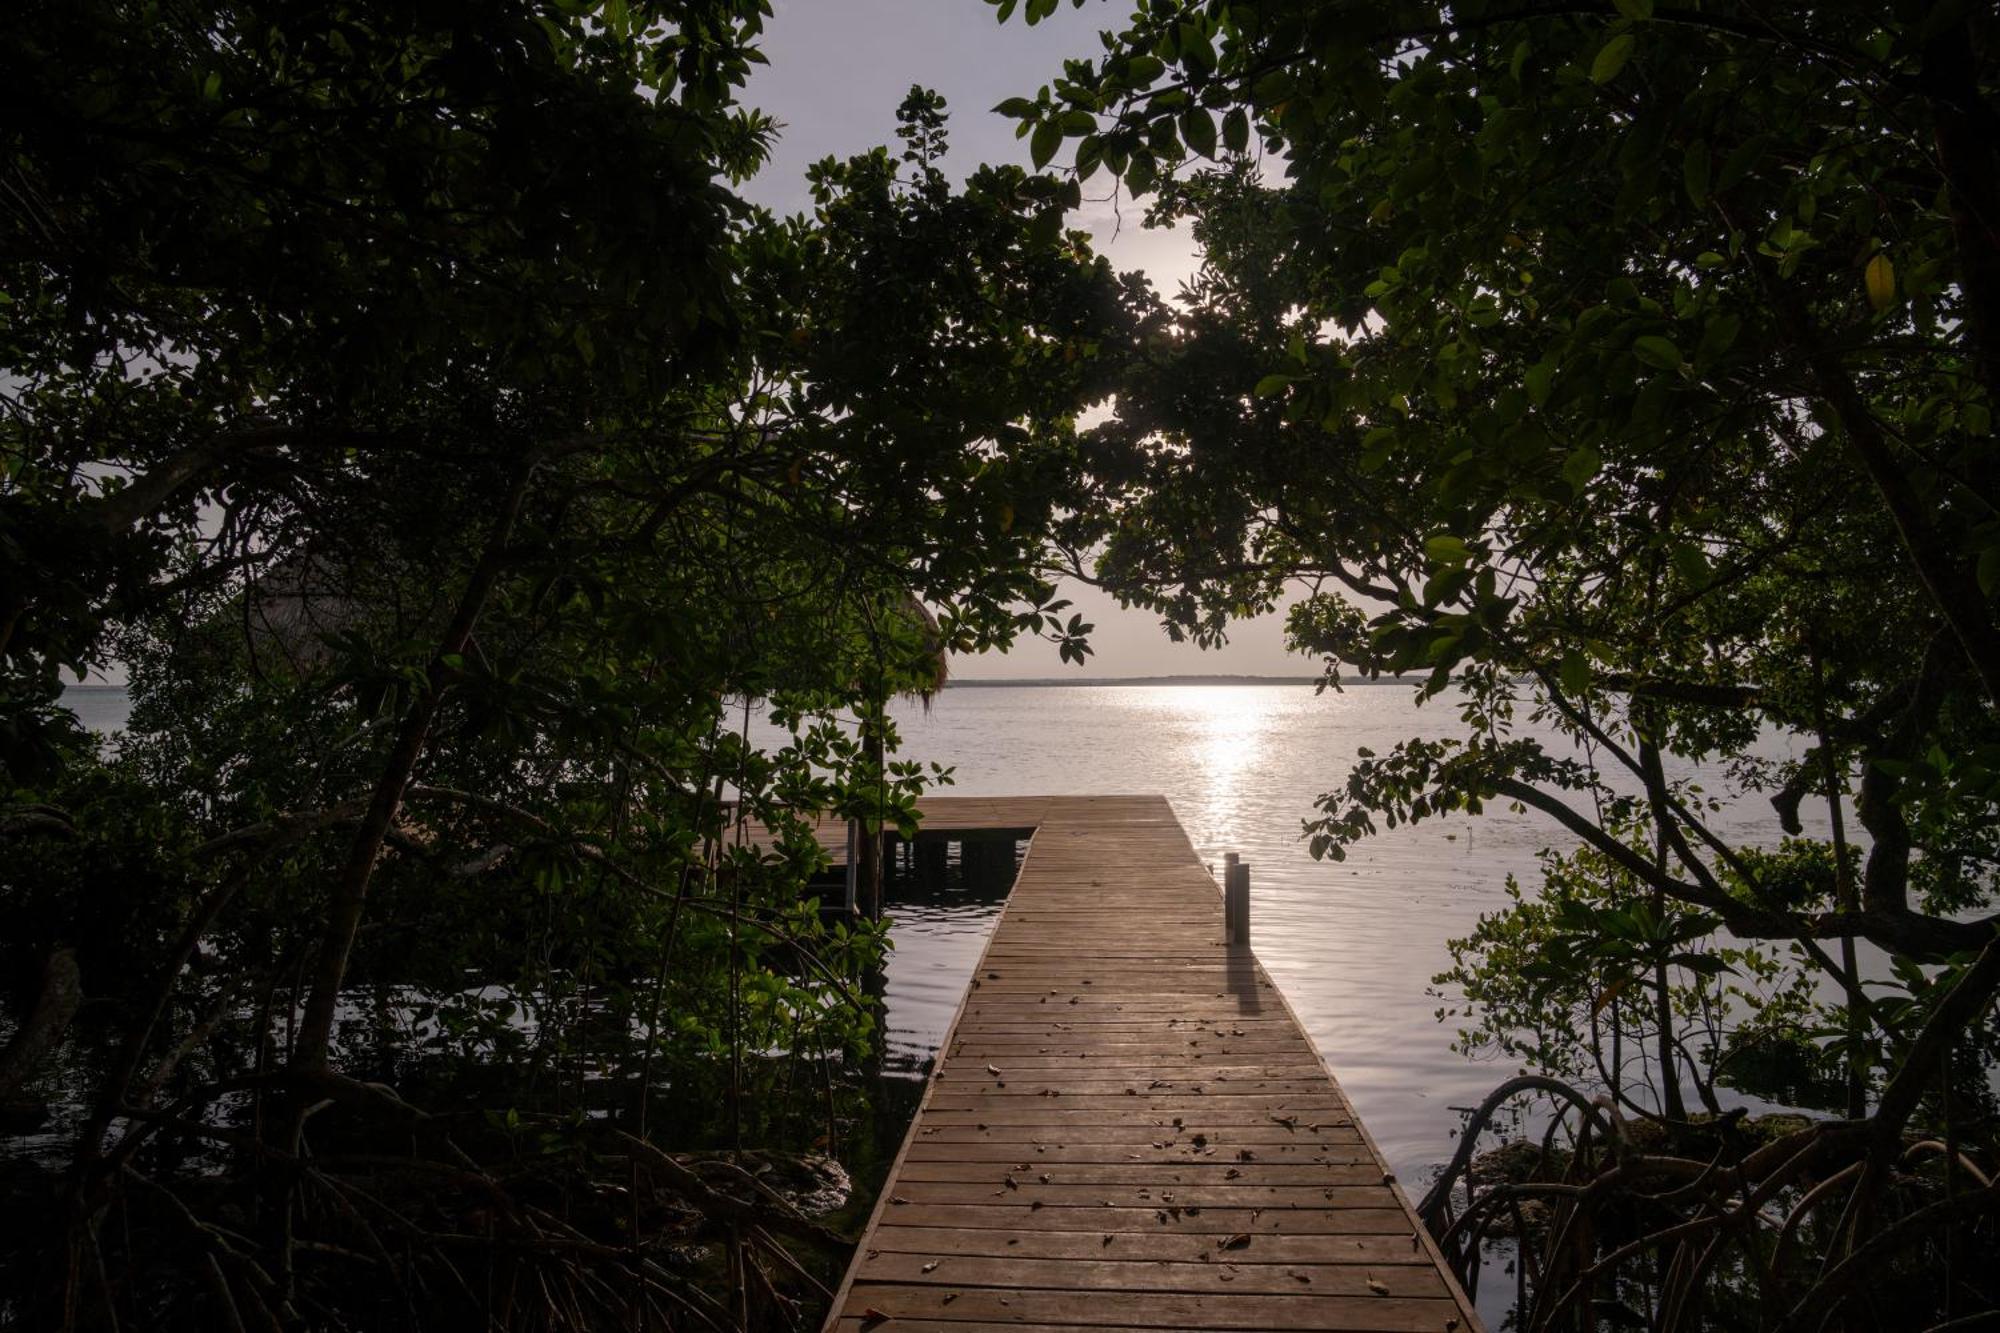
933, 853
869, 873
1236, 902
852, 866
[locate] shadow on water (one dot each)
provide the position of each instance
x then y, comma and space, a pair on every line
944, 892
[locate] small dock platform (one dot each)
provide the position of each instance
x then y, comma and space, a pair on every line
1128, 1128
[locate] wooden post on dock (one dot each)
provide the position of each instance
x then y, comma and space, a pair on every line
853, 864
1236, 902
868, 873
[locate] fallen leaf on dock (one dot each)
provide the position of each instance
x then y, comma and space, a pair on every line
930, 1267
1379, 1288
1239, 1241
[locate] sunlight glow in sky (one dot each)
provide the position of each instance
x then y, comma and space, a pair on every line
837, 72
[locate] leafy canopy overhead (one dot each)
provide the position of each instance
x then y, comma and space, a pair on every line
1627, 366
404, 395
1644, 355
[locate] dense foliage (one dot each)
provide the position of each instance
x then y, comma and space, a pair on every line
405, 397
1627, 366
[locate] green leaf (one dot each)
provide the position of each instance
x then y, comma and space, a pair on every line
1089, 155
1197, 52
1740, 161
1689, 562
1048, 137
1718, 336
1016, 108
1272, 385
1447, 550
1694, 173
1581, 465
1657, 351
1575, 672
1989, 570
1140, 172
1045, 230
1537, 380
1236, 130
1611, 58
1880, 280
1198, 131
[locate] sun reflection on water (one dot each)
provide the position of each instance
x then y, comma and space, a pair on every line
1224, 736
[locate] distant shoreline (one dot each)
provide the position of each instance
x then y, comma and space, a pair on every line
1036, 682
993, 682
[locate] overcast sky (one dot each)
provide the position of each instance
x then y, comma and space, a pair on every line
838, 70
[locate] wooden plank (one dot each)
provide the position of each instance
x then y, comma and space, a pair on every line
1128, 1127
1165, 1217
1381, 1314
1174, 1153
1216, 1274
1224, 1138
1027, 1191
1145, 1173
1003, 1242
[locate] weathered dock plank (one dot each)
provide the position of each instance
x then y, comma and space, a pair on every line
1128, 1128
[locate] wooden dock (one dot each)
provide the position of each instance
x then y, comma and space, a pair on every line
1128, 1128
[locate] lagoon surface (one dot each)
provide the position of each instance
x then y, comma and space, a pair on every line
1353, 944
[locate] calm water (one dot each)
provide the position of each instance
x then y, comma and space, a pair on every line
1353, 944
